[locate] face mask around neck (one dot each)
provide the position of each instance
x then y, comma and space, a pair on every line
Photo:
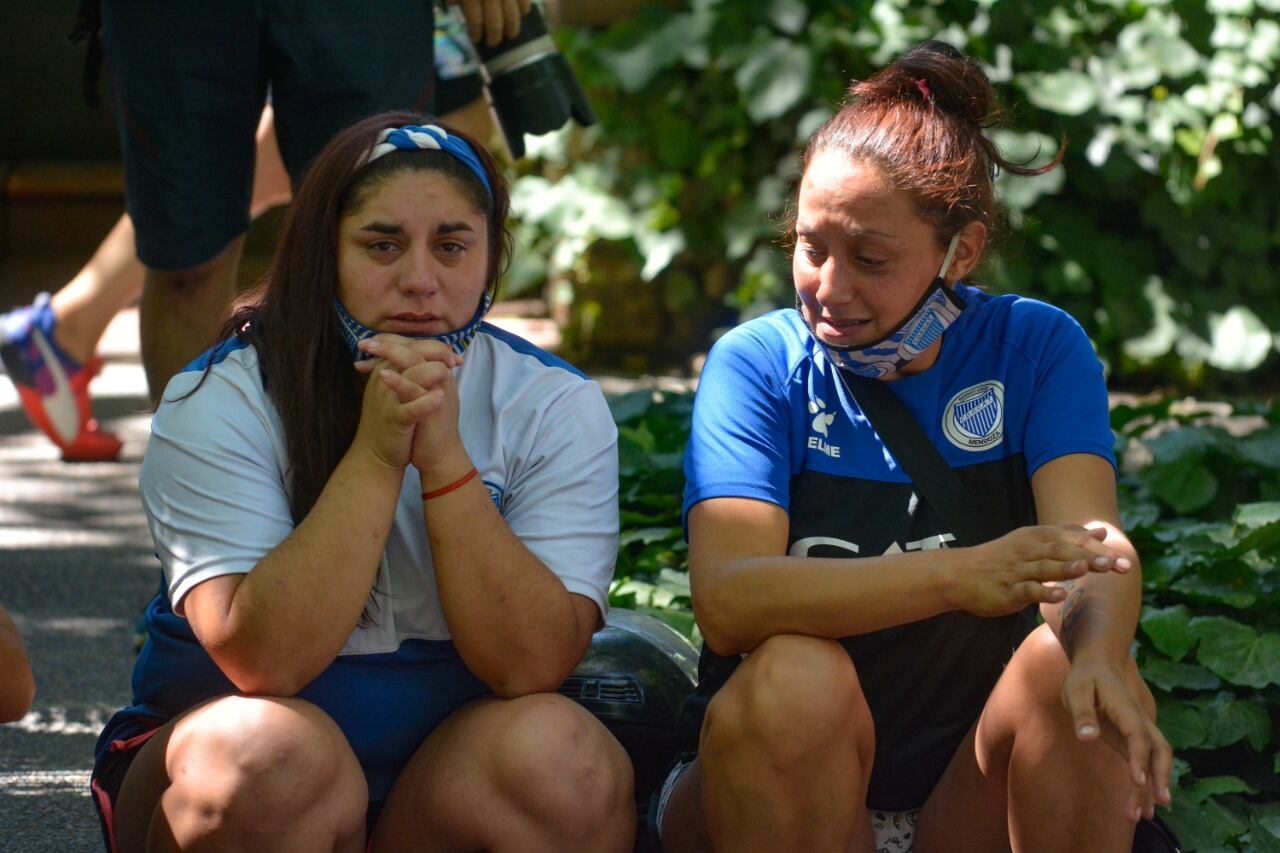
353, 331
937, 309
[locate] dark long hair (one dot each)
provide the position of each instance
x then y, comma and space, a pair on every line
289, 317
921, 119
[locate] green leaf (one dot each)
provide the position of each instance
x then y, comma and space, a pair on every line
1186, 484
633, 404
1171, 675
1069, 93
1240, 341
674, 583
1203, 827
1229, 719
774, 79
1257, 514
647, 535
1224, 581
1262, 539
1170, 630
1262, 448
1203, 789
1138, 516
788, 15
1181, 723
640, 436
1237, 652
1176, 444
1261, 839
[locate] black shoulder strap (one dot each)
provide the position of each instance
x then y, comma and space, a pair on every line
934, 478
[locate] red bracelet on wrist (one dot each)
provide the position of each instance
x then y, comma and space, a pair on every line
456, 484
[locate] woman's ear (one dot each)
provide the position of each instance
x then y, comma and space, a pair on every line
969, 249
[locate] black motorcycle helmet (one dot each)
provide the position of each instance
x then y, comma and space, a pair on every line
635, 679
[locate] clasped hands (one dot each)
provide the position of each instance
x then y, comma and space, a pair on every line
410, 408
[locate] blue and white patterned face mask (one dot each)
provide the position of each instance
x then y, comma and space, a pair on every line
884, 359
353, 331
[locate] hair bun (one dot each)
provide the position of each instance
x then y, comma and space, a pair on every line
936, 74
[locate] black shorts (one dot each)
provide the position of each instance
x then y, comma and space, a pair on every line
190, 78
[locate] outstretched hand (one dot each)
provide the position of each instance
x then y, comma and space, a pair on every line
1018, 569
1104, 704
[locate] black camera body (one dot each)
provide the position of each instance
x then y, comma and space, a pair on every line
530, 84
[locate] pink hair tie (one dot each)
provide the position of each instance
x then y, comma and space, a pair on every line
923, 85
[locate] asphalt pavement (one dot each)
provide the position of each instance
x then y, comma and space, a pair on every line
76, 567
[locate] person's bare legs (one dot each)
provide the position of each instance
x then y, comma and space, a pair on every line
112, 279
536, 774
109, 282
785, 758
181, 312
1022, 780
271, 187
244, 773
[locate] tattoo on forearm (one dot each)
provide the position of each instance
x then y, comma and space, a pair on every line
1072, 609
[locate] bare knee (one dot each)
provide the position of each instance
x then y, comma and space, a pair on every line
792, 695
216, 274
563, 768
258, 761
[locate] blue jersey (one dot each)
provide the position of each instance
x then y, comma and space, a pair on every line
1016, 384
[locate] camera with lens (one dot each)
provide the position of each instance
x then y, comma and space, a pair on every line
530, 84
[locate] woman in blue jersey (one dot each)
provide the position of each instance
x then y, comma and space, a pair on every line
387, 530
857, 670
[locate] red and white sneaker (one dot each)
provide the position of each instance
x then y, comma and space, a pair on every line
53, 387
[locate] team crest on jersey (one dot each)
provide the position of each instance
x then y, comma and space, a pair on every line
974, 419
495, 494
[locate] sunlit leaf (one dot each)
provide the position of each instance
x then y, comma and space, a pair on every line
1240, 341
1065, 92
774, 79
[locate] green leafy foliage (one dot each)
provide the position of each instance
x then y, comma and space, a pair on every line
1158, 232
1208, 641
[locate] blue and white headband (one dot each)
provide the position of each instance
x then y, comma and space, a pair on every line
353, 331
937, 309
413, 137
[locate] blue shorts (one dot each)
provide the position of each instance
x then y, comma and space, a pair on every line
385, 704
189, 79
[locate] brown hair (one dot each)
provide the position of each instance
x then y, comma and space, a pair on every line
289, 317
921, 120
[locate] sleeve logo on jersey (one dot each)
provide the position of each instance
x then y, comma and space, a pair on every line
496, 494
821, 421
974, 419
